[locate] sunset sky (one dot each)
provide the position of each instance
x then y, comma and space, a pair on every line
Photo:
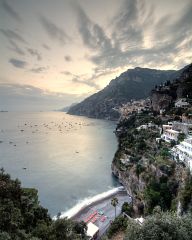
57, 52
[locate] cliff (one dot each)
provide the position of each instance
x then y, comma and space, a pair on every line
164, 96
144, 166
132, 84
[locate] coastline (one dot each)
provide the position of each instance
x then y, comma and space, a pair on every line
84, 206
95, 204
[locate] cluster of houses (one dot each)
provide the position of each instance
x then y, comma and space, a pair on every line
181, 103
134, 106
183, 150
171, 132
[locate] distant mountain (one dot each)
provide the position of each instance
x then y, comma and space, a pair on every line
66, 109
163, 97
132, 84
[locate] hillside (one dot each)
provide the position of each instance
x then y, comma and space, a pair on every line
164, 96
132, 84
143, 163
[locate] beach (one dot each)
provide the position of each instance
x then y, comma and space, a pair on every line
99, 210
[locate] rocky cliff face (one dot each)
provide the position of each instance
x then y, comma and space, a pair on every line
164, 96
132, 84
132, 183
144, 166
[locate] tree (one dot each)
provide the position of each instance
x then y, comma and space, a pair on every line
4, 236
119, 224
21, 216
181, 137
161, 226
114, 202
127, 208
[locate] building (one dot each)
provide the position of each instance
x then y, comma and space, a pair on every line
92, 231
183, 127
146, 126
170, 135
140, 220
166, 127
181, 103
183, 152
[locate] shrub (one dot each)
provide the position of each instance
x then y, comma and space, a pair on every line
119, 224
161, 226
127, 208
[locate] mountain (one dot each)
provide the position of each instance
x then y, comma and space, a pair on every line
66, 109
132, 84
164, 96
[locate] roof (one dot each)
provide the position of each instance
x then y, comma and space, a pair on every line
92, 229
140, 220
180, 99
172, 131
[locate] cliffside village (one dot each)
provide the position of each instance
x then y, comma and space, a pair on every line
171, 132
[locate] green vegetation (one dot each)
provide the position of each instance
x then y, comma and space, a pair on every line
161, 226
114, 202
157, 183
186, 193
119, 224
155, 178
181, 137
159, 193
22, 218
127, 208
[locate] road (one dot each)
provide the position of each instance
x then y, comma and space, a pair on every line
108, 212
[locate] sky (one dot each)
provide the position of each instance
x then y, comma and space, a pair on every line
55, 53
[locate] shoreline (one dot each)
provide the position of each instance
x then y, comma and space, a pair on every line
94, 204
84, 206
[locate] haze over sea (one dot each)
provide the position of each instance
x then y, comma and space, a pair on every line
67, 158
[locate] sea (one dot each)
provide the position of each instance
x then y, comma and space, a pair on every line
67, 158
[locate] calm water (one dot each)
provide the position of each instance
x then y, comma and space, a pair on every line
67, 158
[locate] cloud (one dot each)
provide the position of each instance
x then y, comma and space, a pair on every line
46, 47
11, 11
38, 69
15, 97
92, 34
124, 22
67, 73
94, 38
68, 58
18, 63
11, 35
137, 37
172, 33
14, 47
53, 31
35, 53
82, 79
87, 81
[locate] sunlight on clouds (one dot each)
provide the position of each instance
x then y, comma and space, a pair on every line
77, 47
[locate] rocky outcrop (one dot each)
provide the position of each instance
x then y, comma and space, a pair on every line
163, 97
161, 100
130, 181
132, 84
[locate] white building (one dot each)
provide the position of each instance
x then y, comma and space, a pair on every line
167, 127
140, 220
170, 135
183, 127
146, 126
181, 103
92, 231
183, 152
